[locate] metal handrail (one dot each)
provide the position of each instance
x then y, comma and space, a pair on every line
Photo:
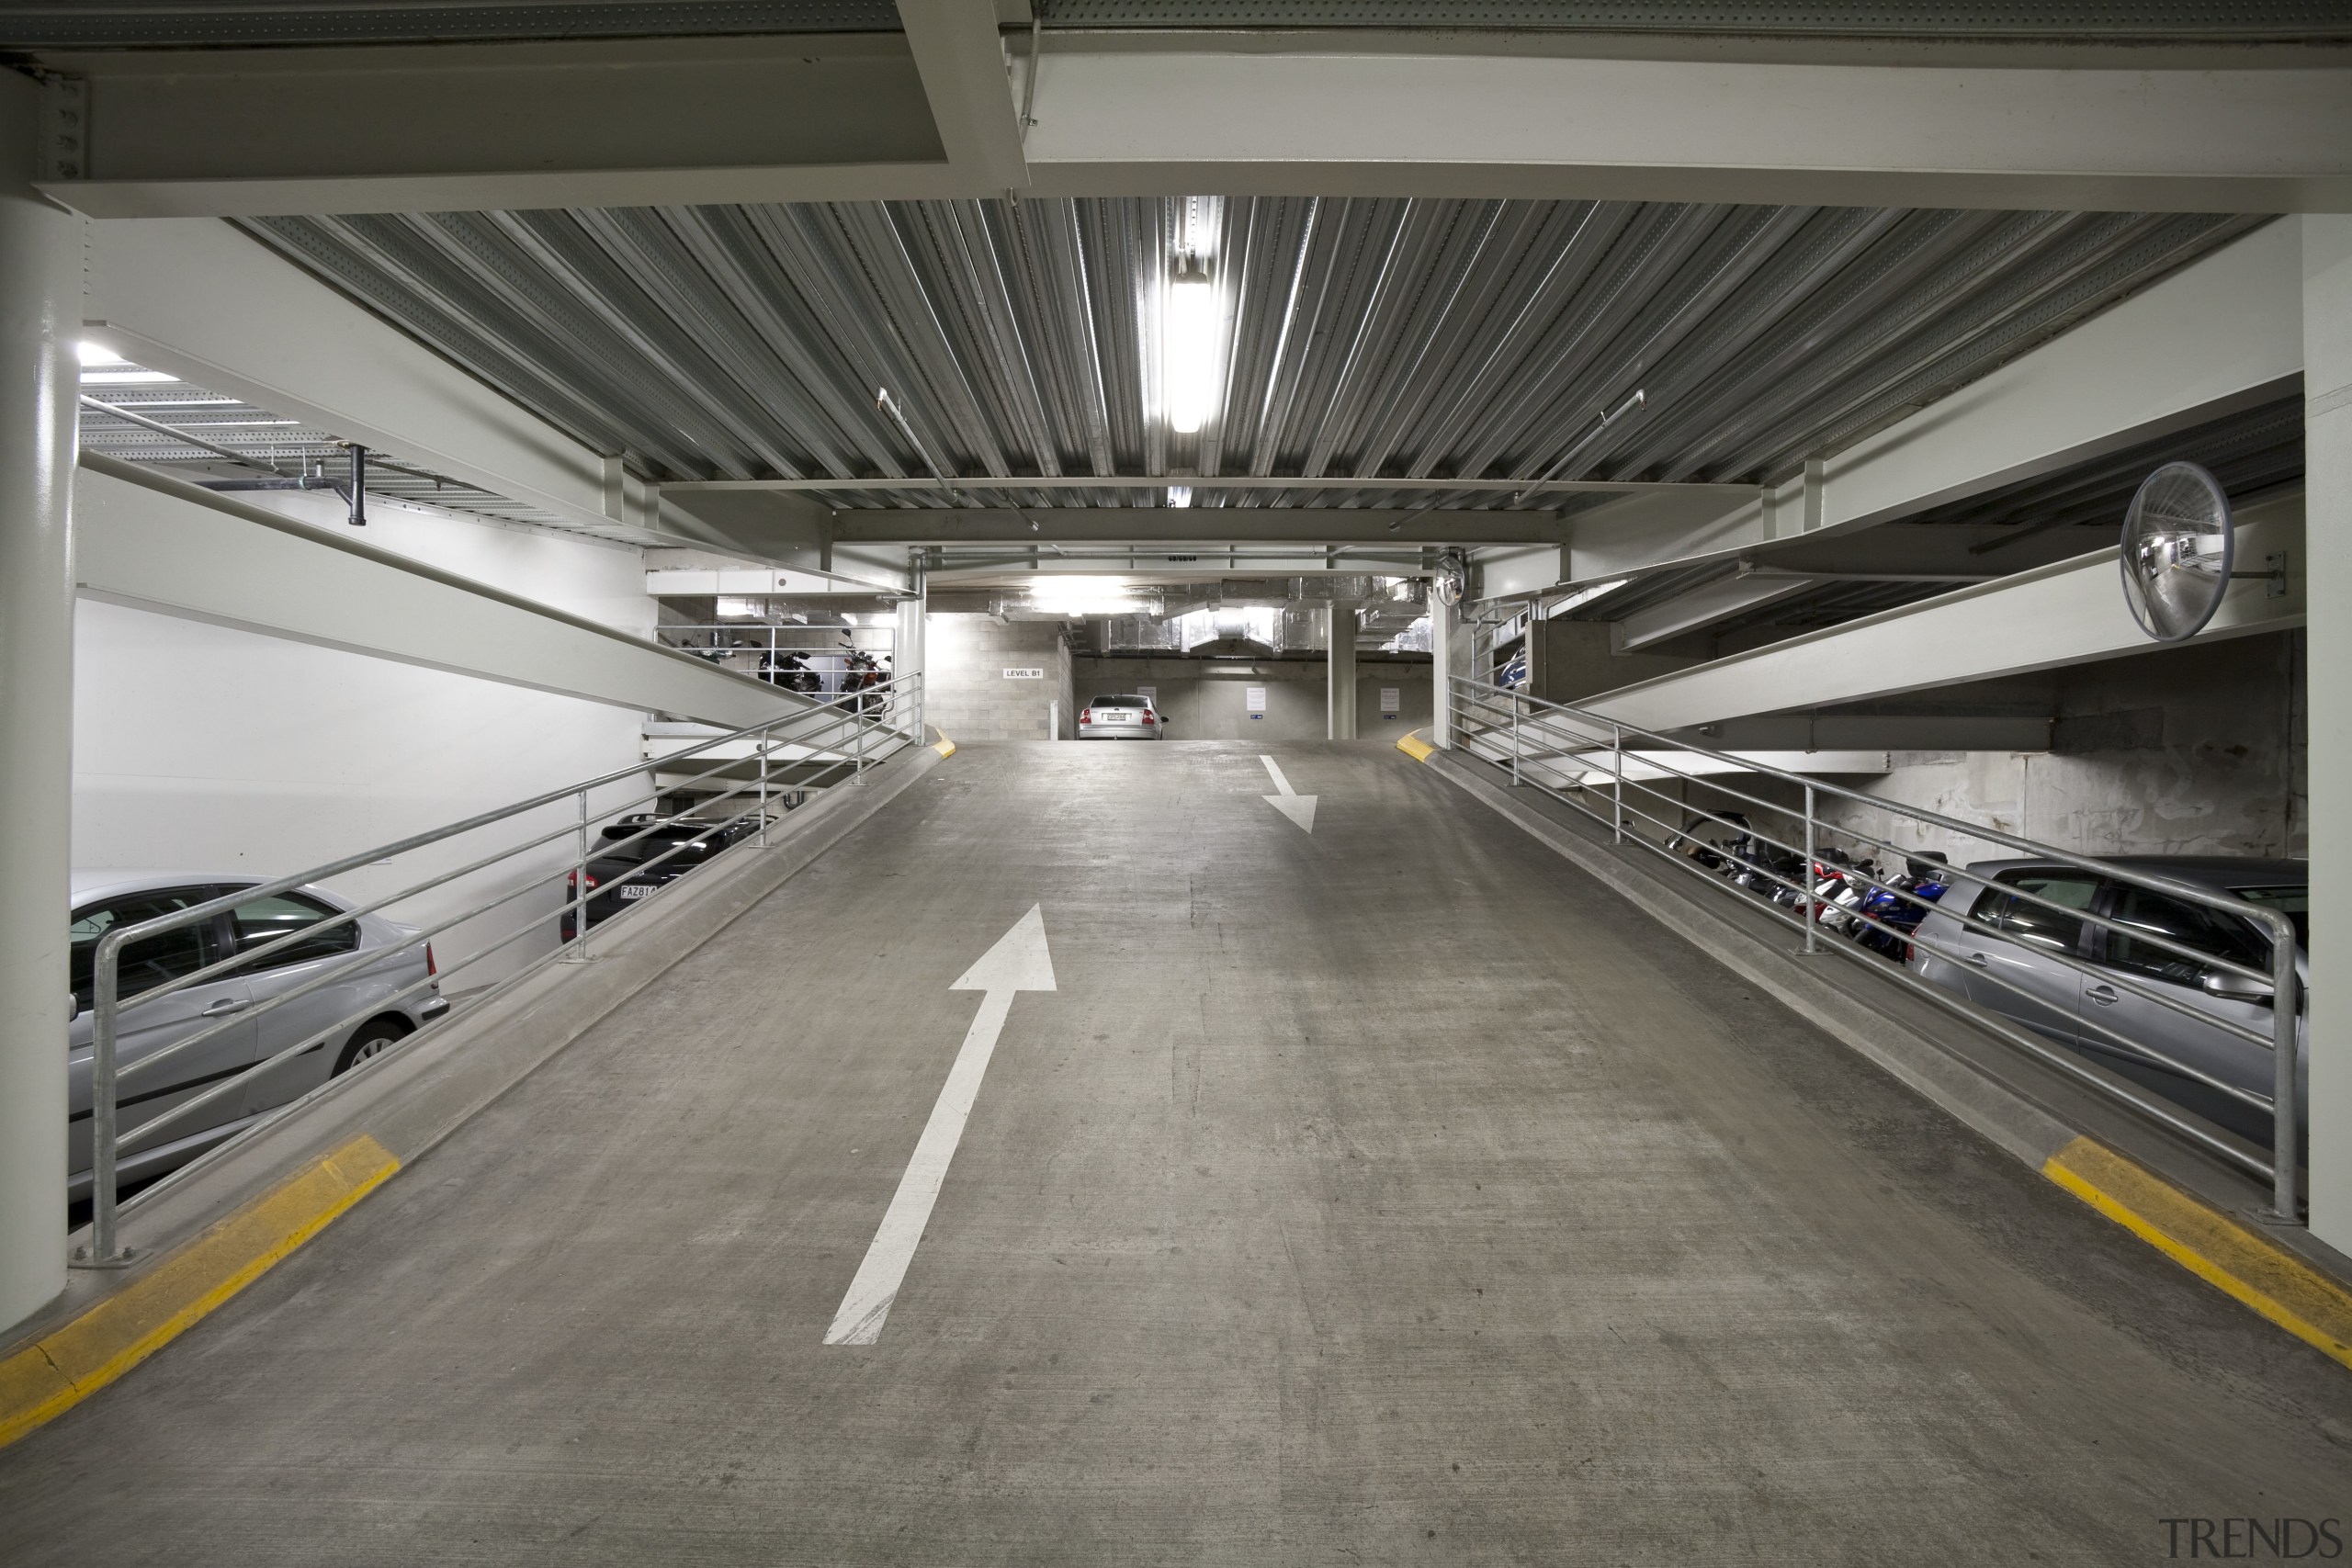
2252, 1036
1479, 703
889, 712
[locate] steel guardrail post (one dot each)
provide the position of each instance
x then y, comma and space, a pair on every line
580, 953
1515, 706
764, 736
1811, 913
1617, 799
106, 997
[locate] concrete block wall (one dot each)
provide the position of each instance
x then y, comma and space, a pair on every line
966, 694
1208, 699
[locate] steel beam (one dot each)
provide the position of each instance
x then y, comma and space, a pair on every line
1505, 115
964, 77
1203, 526
928, 114
2071, 613
156, 543
196, 298
1702, 607
2327, 442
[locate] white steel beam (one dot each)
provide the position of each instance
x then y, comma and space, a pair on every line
1502, 115
195, 297
2071, 613
957, 50
1703, 607
503, 126
927, 113
1185, 524
157, 543
2221, 335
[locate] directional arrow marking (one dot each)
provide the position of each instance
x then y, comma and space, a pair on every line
1019, 961
1299, 809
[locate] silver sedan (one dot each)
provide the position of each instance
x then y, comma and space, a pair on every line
1121, 718
359, 1016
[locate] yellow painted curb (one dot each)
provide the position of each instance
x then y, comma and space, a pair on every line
54, 1373
943, 745
1415, 748
2208, 1243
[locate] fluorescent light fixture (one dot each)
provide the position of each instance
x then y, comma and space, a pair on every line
1190, 345
1180, 495
126, 376
1074, 595
98, 354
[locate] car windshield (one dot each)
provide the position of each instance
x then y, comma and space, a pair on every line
2295, 903
1121, 702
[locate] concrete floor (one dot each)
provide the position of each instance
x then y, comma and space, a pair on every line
1390, 1194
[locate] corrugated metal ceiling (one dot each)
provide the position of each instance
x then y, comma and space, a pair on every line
1362, 339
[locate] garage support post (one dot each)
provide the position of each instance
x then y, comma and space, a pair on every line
2327, 533
1340, 623
1443, 619
907, 642
41, 311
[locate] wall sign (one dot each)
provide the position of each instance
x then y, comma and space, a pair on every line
1025, 674
1254, 699
1390, 706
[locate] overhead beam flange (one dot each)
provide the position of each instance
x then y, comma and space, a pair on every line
965, 77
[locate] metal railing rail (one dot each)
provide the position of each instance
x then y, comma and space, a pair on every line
843, 735
1505, 720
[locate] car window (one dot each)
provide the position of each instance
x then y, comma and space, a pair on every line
2295, 903
146, 963
2030, 924
1120, 702
281, 914
2192, 925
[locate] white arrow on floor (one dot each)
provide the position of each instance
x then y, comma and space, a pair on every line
1299, 809
1019, 961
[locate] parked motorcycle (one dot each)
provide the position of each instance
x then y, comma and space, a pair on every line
1902, 904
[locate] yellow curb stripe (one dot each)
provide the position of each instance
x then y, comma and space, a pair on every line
943, 745
1415, 748
2209, 1244
57, 1371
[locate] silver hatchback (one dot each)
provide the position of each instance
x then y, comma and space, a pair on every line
104, 900
2012, 967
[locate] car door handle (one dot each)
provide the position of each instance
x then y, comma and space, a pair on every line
1979, 960
2104, 995
226, 1005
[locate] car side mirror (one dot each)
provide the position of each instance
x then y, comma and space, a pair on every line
2238, 988
72, 1005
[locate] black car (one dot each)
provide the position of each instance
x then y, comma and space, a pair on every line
618, 875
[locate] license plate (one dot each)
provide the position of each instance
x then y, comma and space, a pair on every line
637, 890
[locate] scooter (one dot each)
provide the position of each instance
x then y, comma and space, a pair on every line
1902, 904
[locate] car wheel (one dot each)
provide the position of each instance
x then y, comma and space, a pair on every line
373, 1040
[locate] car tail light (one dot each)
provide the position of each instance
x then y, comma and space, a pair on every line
430, 967
1148, 718
1086, 717
572, 881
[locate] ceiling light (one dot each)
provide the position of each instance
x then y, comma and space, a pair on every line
98, 354
1180, 495
1190, 345
1076, 595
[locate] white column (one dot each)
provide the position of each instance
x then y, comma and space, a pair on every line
41, 311
1443, 618
907, 654
2327, 534
1340, 625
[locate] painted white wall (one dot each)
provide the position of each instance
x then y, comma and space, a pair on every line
201, 748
